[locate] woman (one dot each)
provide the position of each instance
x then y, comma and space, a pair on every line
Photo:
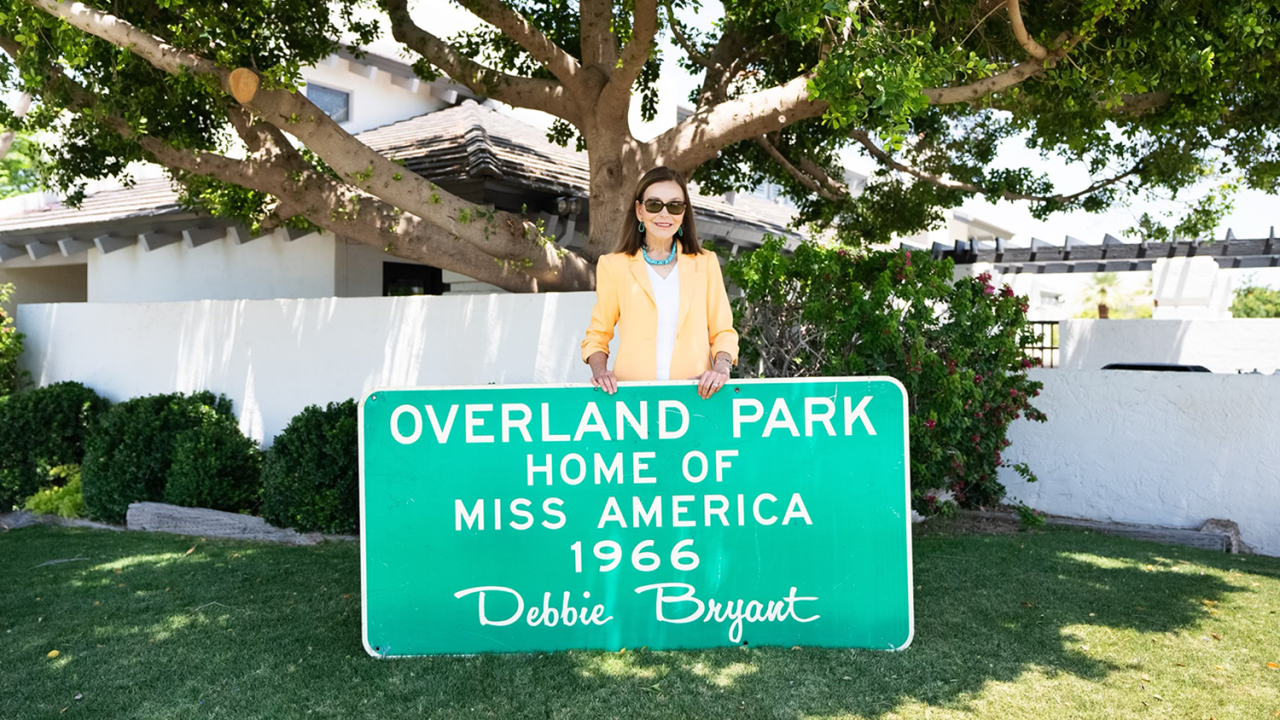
668, 303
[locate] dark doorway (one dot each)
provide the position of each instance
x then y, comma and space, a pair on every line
401, 279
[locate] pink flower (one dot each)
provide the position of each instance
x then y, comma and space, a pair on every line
1026, 363
988, 290
1013, 392
1036, 393
929, 424
977, 379
1006, 291
984, 278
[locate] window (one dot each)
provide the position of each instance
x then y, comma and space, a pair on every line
400, 279
335, 103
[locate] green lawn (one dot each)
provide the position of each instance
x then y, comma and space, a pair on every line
1060, 624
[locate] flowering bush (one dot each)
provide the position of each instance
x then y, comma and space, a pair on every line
10, 347
956, 347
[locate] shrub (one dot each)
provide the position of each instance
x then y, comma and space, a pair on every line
42, 429
311, 478
65, 499
215, 466
10, 347
129, 452
1255, 301
956, 347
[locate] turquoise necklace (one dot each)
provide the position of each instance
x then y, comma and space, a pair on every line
669, 259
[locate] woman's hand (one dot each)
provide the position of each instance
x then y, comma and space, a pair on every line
601, 376
712, 380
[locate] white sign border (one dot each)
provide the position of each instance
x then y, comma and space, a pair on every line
906, 437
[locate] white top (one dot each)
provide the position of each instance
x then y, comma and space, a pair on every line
666, 294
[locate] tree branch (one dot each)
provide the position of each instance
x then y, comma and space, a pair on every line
1142, 103
1007, 79
702, 135
720, 63
362, 217
985, 86
1033, 48
804, 178
19, 110
514, 239
536, 94
599, 44
615, 98
636, 52
682, 40
812, 170
518, 28
887, 160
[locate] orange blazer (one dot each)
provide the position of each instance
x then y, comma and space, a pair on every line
624, 298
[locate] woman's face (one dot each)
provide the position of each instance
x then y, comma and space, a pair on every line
661, 225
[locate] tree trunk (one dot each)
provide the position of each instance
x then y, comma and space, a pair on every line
615, 168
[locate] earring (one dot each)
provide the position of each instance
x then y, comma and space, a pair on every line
640, 227
680, 232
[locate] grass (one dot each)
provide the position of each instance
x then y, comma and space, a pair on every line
1062, 624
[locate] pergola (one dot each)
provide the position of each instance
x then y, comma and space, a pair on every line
1112, 255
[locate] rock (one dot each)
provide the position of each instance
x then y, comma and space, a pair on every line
160, 517
16, 519
1229, 529
23, 518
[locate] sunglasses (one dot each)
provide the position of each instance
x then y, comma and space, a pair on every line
653, 205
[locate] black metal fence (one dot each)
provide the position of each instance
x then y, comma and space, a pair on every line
1045, 342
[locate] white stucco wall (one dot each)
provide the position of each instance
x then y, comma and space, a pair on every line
1171, 449
359, 269
375, 102
275, 357
1223, 346
1159, 448
55, 283
268, 267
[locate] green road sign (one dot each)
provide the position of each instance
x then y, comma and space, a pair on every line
535, 518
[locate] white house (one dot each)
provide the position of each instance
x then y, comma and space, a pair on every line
136, 244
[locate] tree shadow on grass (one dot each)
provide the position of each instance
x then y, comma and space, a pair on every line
248, 630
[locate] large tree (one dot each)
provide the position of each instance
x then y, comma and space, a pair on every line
1152, 94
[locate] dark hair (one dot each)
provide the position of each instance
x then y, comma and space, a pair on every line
633, 240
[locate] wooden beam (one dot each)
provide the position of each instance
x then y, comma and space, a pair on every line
9, 252
41, 249
195, 237
448, 96
111, 243
408, 83
158, 239
241, 235
71, 246
291, 234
